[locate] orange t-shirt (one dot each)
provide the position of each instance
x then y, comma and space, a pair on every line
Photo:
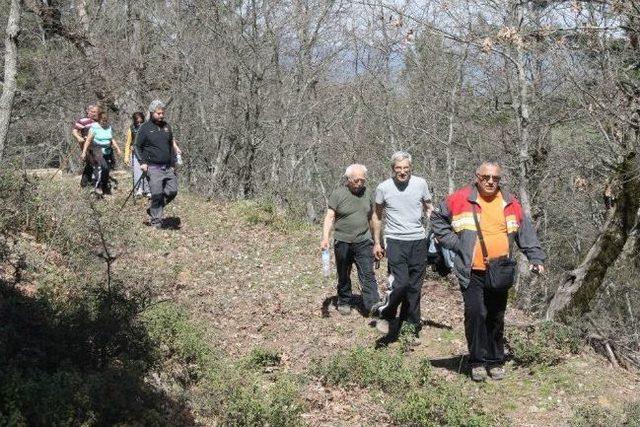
494, 231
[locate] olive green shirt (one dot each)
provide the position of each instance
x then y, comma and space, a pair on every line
352, 214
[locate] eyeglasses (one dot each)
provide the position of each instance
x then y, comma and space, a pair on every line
487, 178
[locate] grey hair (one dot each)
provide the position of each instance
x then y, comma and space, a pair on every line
399, 156
488, 163
156, 104
352, 168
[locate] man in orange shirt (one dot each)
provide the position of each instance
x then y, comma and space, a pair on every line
501, 223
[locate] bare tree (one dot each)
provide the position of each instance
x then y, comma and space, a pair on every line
10, 70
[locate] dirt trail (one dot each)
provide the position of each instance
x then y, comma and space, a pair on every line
258, 286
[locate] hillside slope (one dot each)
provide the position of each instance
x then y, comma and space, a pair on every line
251, 278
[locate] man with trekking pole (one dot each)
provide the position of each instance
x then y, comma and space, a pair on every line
156, 149
481, 223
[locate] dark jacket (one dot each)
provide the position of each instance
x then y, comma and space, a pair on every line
154, 143
455, 229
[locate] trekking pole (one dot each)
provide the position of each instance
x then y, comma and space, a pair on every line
132, 190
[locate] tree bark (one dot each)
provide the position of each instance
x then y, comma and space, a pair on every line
10, 70
581, 285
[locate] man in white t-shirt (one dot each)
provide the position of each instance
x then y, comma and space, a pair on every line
403, 200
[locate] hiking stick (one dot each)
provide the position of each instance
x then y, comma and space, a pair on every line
131, 192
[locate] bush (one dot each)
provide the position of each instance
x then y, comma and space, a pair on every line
266, 212
435, 406
595, 416
251, 403
545, 344
367, 367
261, 358
632, 414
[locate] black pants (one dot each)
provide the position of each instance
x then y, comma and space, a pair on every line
484, 321
101, 168
407, 264
362, 255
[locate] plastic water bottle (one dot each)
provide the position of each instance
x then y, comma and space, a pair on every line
326, 263
179, 159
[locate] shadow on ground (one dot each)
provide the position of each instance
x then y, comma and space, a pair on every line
80, 362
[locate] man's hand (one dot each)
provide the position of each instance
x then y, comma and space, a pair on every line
536, 268
378, 252
144, 167
324, 244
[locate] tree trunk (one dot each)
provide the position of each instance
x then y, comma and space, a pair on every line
10, 70
581, 285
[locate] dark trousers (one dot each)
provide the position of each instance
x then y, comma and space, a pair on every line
362, 255
163, 185
407, 262
101, 168
87, 172
484, 321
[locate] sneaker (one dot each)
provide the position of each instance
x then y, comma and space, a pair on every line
97, 191
479, 373
382, 325
344, 309
157, 225
375, 309
497, 372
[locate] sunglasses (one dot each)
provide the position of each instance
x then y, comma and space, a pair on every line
487, 178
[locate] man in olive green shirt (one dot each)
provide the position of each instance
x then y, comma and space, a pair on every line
349, 213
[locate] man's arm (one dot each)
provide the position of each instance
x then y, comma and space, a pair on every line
376, 231
329, 218
427, 206
137, 146
527, 241
442, 229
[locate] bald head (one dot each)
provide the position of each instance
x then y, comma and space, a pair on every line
356, 177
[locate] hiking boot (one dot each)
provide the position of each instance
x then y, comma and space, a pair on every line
382, 325
344, 309
479, 373
497, 372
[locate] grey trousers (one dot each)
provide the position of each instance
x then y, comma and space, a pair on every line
164, 188
143, 186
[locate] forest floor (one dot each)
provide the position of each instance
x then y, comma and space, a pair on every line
253, 279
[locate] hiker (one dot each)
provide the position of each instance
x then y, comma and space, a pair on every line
349, 213
130, 159
404, 199
481, 223
157, 150
100, 143
80, 132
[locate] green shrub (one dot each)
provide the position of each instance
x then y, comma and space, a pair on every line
545, 344
266, 212
253, 403
595, 416
175, 336
261, 358
632, 414
439, 404
366, 367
